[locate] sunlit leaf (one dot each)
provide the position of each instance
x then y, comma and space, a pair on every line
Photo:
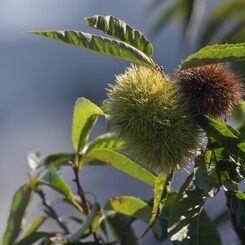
136, 208
188, 204
34, 159
215, 54
34, 225
105, 141
123, 163
84, 117
121, 30
19, 205
99, 44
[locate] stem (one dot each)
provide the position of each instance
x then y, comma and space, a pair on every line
50, 211
239, 231
80, 191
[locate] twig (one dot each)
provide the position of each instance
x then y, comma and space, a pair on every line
80, 191
239, 231
50, 211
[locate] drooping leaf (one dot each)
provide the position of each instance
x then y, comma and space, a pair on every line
188, 204
54, 181
223, 134
123, 163
34, 237
215, 54
105, 141
136, 208
121, 229
88, 222
122, 31
84, 117
34, 226
19, 205
99, 44
201, 231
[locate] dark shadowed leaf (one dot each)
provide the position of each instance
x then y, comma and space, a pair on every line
19, 205
99, 44
121, 229
188, 204
201, 175
122, 31
202, 232
123, 163
34, 237
88, 222
84, 117
216, 54
223, 134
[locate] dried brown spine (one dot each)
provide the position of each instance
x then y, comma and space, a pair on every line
210, 89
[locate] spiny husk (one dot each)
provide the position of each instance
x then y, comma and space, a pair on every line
147, 111
210, 89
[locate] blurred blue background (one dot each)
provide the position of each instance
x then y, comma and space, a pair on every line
41, 79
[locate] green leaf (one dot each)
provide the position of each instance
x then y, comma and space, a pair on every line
123, 163
105, 141
34, 237
99, 44
201, 175
121, 30
237, 207
77, 234
34, 226
201, 231
222, 217
188, 204
121, 229
223, 134
54, 181
19, 205
84, 117
136, 208
57, 160
215, 54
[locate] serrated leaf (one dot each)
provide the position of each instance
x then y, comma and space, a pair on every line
34, 237
188, 204
201, 231
136, 208
88, 222
19, 205
215, 54
105, 141
123, 163
121, 30
99, 44
223, 134
34, 226
84, 117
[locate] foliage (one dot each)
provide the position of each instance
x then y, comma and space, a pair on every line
178, 216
